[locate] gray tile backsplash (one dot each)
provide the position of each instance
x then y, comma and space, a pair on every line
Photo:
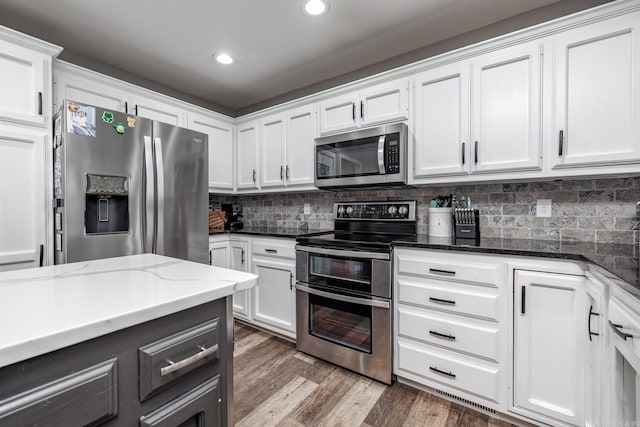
601, 210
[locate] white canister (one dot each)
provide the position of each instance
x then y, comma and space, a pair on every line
441, 222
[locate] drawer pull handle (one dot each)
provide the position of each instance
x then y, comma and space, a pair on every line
442, 301
442, 272
591, 313
448, 374
174, 366
444, 336
271, 251
616, 327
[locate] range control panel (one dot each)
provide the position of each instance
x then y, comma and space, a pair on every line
388, 211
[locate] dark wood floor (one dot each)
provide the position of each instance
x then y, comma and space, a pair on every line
277, 386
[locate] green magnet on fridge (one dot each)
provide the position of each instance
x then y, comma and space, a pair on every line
107, 117
119, 127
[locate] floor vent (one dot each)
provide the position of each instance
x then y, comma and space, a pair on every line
468, 402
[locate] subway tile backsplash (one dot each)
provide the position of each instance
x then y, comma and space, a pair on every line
601, 210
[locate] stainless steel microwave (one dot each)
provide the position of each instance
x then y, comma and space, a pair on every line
368, 157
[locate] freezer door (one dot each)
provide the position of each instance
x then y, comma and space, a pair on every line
181, 160
101, 197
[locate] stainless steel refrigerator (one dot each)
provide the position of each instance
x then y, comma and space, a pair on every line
126, 185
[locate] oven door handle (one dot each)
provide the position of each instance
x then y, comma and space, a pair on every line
343, 253
343, 298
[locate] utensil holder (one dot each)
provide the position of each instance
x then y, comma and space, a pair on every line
440, 222
467, 223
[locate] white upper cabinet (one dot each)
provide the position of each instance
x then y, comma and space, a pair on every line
159, 110
597, 96
442, 121
375, 105
220, 150
247, 160
506, 125
272, 136
301, 125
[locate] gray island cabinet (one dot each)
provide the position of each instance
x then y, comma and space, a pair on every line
142, 340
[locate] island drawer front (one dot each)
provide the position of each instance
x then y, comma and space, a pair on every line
474, 339
428, 363
81, 398
199, 406
169, 358
456, 298
461, 267
274, 248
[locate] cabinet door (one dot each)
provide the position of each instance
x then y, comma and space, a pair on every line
239, 261
98, 92
338, 114
220, 150
506, 126
218, 254
24, 75
597, 94
595, 349
160, 111
384, 103
274, 299
300, 154
23, 210
549, 336
272, 134
441, 144
247, 145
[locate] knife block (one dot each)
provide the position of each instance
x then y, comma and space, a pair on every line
467, 223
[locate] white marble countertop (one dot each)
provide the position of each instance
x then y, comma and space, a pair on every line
49, 308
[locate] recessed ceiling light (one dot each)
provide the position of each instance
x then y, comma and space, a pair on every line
223, 58
316, 7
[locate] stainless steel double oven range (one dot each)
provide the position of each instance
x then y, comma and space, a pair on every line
344, 286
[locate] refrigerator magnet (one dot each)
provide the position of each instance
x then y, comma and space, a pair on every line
81, 119
131, 122
107, 117
119, 127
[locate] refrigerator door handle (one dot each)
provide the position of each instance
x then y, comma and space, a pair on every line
148, 224
158, 244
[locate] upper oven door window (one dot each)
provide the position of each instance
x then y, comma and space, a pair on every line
353, 274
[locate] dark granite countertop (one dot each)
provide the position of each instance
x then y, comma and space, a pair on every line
291, 233
620, 260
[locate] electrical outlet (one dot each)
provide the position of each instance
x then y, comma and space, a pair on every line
307, 208
543, 208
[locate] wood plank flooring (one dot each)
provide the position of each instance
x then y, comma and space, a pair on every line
277, 386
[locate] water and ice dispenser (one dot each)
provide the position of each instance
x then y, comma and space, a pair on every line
107, 204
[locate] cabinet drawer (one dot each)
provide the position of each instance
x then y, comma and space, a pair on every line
449, 333
451, 266
81, 398
439, 367
168, 359
274, 248
627, 322
451, 297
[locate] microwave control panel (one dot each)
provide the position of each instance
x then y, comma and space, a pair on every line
393, 154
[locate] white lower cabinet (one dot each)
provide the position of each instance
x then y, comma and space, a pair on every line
239, 260
274, 299
549, 338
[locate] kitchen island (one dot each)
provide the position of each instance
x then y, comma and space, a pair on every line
139, 339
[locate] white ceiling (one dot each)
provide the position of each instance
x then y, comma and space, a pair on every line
277, 49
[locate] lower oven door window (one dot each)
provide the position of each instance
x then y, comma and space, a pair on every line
347, 273
341, 322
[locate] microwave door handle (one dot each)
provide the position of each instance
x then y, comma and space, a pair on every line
381, 167
343, 298
148, 218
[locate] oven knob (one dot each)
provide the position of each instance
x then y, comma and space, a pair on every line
392, 210
349, 210
340, 210
403, 210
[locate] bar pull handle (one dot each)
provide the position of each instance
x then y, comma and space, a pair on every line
463, 146
560, 142
475, 156
174, 366
362, 110
210, 258
442, 301
353, 111
271, 251
442, 272
126, 107
40, 103
281, 172
523, 294
287, 174
242, 256
290, 281
254, 176
136, 109
616, 327
444, 336
438, 371
41, 263
591, 313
